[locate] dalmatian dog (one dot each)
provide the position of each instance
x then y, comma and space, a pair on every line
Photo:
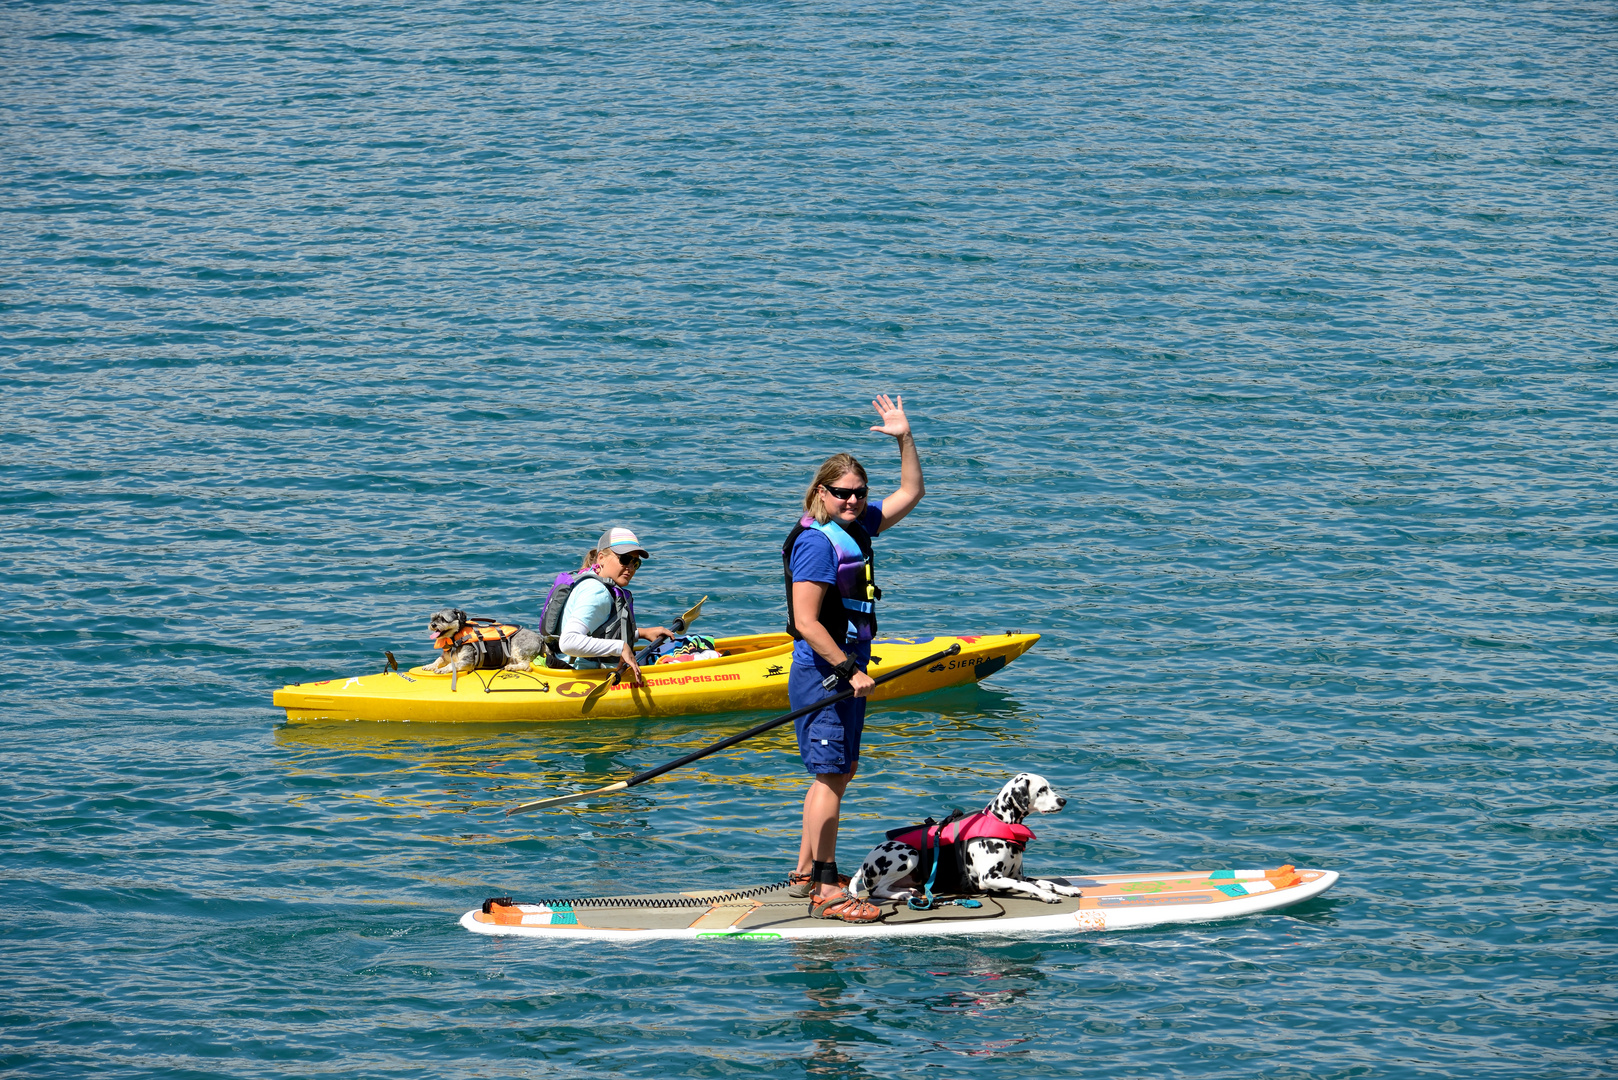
992, 865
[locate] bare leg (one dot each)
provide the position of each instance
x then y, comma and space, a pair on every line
822, 805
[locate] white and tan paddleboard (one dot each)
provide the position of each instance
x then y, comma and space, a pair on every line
767, 913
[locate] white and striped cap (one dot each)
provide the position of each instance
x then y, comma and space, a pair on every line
623, 542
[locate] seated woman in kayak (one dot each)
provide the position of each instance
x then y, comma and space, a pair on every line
598, 620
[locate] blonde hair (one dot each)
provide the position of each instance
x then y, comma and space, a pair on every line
830, 471
590, 558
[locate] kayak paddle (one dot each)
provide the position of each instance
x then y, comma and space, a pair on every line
689, 617
678, 626
722, 744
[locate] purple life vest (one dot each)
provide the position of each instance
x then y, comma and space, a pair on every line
618, 625
849, 615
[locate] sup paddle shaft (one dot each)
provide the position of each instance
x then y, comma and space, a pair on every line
723, 744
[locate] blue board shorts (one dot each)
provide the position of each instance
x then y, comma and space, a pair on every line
829, 738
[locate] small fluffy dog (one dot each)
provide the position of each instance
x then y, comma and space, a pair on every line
993, 857
468, 644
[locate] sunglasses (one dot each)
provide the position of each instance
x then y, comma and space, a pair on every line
848, 493
631, 561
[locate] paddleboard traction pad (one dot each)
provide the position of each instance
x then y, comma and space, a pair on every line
767, 913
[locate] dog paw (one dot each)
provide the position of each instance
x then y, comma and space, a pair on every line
518, 665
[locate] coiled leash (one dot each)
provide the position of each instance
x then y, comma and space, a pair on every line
656, 902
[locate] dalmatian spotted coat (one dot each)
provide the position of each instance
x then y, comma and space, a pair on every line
991, 865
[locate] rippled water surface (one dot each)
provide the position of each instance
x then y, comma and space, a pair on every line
1261, 358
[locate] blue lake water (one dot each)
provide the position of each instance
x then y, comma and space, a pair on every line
1261, 358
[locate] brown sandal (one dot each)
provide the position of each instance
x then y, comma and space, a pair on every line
845, 906
803, 885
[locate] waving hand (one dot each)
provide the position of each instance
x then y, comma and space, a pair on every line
894, 421
911, 485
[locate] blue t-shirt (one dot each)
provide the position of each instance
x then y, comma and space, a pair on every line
814, 559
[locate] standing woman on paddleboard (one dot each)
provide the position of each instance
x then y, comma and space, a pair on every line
831, 611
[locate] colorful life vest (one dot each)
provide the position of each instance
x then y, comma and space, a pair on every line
849, 614
981, 825
942, 847
490, 640
619, 624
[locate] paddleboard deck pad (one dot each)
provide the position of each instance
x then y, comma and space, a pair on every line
767, 913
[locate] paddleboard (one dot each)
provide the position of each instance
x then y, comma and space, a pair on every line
767, 913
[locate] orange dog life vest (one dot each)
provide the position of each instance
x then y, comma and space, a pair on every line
492, 642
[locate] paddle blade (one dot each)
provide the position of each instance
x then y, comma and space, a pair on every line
558, 800
601, 687
691, 614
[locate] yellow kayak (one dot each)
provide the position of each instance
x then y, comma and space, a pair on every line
750, 674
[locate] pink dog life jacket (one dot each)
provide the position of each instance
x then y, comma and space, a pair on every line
979, 826
941, 846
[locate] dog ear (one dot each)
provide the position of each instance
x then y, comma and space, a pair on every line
1021, 798
460, 616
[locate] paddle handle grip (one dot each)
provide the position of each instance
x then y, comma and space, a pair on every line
768, 725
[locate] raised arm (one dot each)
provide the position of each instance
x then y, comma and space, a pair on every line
911, 485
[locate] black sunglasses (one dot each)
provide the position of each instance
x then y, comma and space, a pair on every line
849, 493
630, 561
